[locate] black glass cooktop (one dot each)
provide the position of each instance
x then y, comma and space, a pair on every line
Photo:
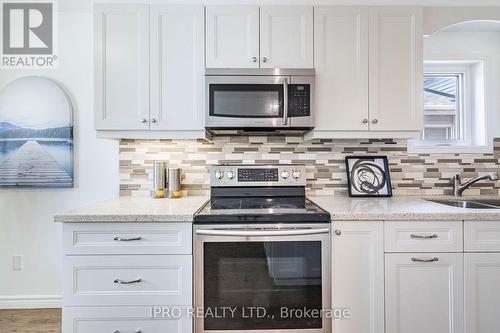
261, 209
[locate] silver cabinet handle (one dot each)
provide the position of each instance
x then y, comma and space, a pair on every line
121, 239
425, 259
374, 121
153, 121
254, 59
136, 331
423, 236
264, 59
144, 120
365, 121
118, 281
338, 232
285, 102
262, 233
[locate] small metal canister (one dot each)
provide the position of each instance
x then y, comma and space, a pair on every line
174, 183
159, 180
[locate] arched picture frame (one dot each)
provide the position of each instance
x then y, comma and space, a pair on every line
36, 134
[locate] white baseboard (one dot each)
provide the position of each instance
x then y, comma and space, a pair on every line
30, 302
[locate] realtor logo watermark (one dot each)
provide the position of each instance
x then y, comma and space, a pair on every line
28, 34
249, 312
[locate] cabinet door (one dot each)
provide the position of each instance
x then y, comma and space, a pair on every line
358, 276
232, 35
121, 66
482, 292
341, 62
286, 37
424, 296
177, 67
396, 65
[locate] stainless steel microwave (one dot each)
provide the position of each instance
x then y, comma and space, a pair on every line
259, 100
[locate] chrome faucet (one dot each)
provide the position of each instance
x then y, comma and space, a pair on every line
459, 188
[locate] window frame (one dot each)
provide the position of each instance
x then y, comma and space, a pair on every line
470, 73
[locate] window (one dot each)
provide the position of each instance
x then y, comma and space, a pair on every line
454, 108
443, 108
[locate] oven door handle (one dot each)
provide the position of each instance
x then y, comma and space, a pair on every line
229, 232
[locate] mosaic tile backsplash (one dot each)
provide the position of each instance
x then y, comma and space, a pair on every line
411, 174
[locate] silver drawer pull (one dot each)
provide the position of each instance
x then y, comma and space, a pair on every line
127, 282
423, 236
137, 331
425, 259
121, 239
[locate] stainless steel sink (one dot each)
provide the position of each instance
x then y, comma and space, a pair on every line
474, 204
492, 202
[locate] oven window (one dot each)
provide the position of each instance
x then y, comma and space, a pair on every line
246, 100
268, 277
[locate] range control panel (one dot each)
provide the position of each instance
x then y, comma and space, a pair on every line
257, 175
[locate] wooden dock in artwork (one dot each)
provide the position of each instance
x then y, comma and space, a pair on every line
31, 166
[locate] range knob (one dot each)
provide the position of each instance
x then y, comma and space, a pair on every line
219, 174
230, 174
285, 174
296, 174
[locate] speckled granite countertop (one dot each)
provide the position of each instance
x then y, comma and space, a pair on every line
133, 209
400, 208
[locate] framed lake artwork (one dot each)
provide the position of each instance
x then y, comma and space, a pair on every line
36, 134
368, 176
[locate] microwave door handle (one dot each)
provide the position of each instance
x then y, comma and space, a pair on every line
285, 102
263, 232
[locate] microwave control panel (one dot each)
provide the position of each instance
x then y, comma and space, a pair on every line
299, 100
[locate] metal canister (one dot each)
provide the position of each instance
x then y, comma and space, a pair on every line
174, 182
159, 180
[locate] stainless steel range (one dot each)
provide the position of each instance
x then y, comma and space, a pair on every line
262, 253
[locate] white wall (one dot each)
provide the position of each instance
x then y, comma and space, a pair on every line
26, 225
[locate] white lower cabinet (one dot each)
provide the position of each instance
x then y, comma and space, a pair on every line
482, 292
424, 292
358, 276
122, 320
116, 274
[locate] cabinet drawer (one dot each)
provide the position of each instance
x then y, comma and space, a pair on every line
482, 236
127, 238
122, 320
435, 236
127, 280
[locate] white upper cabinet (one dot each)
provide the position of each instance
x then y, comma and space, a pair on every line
232, 35
424, 293
369, 67
121, 67
341, 62
149, 71
286, 36
358, 276
240, 37
177, 67
396, 69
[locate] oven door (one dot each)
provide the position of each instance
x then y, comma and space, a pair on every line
247, 101
262, 278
